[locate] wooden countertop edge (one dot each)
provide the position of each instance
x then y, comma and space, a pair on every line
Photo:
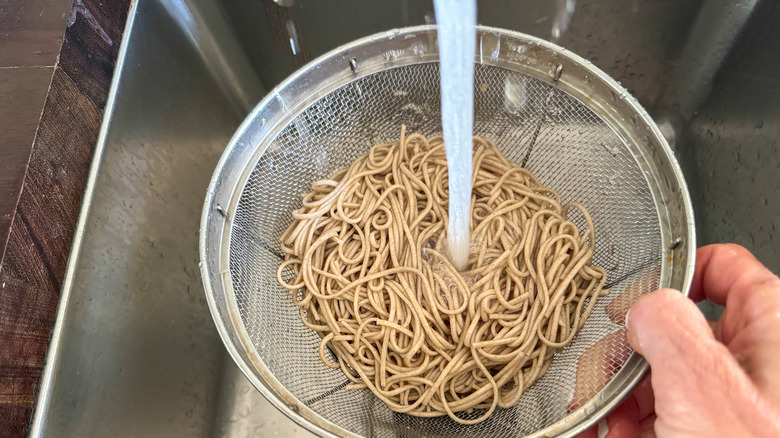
44, 221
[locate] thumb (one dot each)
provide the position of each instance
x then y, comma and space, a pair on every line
695, 378
666, 325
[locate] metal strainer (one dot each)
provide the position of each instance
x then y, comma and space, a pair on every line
570, 124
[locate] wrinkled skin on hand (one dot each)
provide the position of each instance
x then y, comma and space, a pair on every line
707, 379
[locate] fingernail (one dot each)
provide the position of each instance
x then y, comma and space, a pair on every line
631, 336
603, 428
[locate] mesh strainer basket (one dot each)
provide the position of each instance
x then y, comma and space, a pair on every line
574, 127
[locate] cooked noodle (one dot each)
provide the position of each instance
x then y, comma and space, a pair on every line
370, 274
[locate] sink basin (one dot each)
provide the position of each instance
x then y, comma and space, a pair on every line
134, 351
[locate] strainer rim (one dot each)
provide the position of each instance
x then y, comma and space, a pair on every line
575, 422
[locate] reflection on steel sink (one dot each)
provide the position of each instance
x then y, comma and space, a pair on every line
135, 353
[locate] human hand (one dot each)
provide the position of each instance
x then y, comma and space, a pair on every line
707, 378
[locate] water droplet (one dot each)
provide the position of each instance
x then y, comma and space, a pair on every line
292, 33
496, 51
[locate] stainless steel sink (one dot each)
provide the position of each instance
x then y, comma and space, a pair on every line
134, 351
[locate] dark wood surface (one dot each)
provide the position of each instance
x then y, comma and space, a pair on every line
31, 33
22, 93
43, 220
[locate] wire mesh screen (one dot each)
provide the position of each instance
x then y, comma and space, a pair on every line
563, 143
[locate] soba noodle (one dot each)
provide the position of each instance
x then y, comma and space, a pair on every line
366, 264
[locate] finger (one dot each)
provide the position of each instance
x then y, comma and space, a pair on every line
750, 325
662, 322
755, 306
725, 268
623, 422
643, 395
714, 327
647, 427
593, 432
693, 375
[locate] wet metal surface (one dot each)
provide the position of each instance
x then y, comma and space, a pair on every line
135, 352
